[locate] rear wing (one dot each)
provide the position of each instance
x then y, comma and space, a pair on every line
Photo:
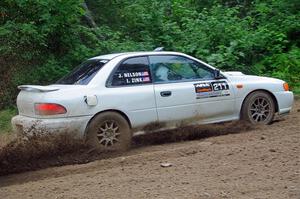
37, 88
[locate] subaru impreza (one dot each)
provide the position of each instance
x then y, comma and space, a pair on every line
109, 97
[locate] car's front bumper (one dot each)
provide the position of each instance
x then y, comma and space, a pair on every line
24, 125
285, 100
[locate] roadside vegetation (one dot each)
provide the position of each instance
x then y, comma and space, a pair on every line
40, 41
6, 115
6, 135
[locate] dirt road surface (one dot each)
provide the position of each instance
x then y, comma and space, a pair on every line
260, 163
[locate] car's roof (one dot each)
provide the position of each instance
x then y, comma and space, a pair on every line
111, 56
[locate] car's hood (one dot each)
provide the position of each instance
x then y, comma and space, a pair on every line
233, 73
236, 76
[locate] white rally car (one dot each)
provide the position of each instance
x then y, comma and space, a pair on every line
109, 97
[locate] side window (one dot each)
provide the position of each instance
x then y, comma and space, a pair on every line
131, 72
173, 68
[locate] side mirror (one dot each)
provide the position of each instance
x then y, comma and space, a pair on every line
217, 74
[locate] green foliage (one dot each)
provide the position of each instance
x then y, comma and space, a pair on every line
31, 28
5, 117
40, 41
284, 66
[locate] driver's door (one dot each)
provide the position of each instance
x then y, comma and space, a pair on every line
187, 89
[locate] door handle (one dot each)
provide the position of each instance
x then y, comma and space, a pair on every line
166, 93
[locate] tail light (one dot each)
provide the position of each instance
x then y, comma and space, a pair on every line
286, 87
49, 109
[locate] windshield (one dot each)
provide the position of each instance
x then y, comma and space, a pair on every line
83, 73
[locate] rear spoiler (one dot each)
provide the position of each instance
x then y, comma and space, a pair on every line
36, 88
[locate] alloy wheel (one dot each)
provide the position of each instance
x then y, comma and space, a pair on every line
259, 109
108, 133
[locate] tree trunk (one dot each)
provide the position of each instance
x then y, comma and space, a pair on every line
88, 16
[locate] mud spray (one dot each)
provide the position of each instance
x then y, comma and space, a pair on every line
42, 151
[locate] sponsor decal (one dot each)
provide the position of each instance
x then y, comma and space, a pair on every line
203, 87
211, 89
134, 74
135, 77
138, 80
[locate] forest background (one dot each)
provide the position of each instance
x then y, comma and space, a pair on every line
42, 40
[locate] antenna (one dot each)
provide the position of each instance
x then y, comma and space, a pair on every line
158, 49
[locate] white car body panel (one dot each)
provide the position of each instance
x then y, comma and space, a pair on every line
28, 125
141, 104
137, 102
182, 104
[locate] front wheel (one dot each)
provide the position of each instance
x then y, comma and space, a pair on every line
109, 131
258, 108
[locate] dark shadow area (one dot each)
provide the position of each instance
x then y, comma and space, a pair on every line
191, 133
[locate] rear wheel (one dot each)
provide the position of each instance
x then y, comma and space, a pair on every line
258, 108
109, 131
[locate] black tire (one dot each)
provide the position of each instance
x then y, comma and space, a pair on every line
258, 108
109, 131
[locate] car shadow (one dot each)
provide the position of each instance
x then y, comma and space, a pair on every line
186, 133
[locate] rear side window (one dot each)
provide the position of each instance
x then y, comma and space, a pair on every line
83, 73
133, 71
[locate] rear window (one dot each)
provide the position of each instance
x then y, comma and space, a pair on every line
83, 73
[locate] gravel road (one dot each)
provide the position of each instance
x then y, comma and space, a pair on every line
263, 162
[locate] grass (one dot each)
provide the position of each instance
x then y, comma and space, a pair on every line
295, 88
5, 117
296, 91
